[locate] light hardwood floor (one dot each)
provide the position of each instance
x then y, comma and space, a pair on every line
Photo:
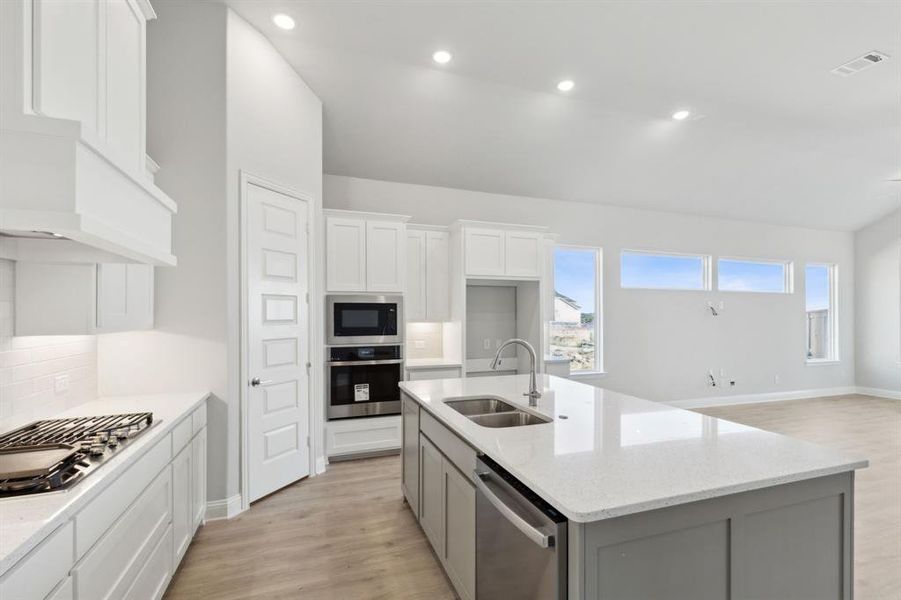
347, 535
865, 426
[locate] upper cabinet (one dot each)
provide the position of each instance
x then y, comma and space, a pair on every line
365, 252
502, 251
73, 138
99, 298
428, 274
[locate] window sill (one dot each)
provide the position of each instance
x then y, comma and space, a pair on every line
823, 363
578, 374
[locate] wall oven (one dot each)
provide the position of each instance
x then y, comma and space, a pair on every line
364, 320
363, 381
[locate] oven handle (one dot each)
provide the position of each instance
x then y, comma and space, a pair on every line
536, 535
350, 363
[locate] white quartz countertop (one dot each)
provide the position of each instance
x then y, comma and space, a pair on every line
615, 455
431, 363
26, 520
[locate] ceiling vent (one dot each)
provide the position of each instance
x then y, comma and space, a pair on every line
859, 64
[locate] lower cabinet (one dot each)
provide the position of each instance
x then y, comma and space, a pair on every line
410, 453
127, 541
182, 507
447, 515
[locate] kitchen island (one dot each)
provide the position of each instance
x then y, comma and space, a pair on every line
660, 502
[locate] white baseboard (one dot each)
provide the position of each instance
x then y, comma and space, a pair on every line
767, 397
889, 394
321, 464
223, 509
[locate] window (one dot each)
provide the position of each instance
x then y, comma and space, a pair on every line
768, 276
822, 322
575, 332
664, 271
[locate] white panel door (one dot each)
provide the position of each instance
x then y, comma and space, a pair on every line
485, 249
345, 255
385, 246
415, 307
437, 276
523, 254
278, 340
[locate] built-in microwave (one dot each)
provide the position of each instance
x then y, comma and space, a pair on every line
364, 320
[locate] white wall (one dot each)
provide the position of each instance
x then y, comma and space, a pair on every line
660, 344
878, 255
221, 99
29, 366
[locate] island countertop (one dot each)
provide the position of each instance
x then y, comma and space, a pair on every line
607, 454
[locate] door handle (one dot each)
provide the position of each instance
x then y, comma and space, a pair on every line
256, 382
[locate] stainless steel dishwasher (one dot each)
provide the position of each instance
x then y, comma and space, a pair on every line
521, 540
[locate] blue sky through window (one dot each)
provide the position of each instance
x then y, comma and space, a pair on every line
816, 283
662, 271
574, 275
747, 276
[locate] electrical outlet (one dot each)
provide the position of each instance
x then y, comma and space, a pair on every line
486, 344
61, 384
777, 378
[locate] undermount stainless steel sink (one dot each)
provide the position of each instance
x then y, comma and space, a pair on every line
509, 419
494, 412
480, 406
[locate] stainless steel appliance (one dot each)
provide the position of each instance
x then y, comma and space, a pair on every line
363, 320
521, 541
55, 454
363, 380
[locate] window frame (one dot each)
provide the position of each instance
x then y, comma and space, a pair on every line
834, 355
598, 305
788, 274
706, 266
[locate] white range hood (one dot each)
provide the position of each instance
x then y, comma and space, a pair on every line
72, 135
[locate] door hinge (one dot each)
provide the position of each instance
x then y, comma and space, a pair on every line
308, 442
307, 296
309, 365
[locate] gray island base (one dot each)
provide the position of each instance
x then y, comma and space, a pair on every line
659, 502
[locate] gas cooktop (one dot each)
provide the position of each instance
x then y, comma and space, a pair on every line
55, 454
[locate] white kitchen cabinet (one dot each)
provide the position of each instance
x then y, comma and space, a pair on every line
345, 254
73, 142
431, 497
410, 453
182, 506
365, 252
346, 437
64, 591
385, 244
523, 254
198, 479
99, 298
36, 575
485, 251
155, 574
513, 251
415, 299
428, 275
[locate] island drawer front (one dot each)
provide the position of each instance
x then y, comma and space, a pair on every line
111, 566
103, 510
42, 569
455, 449
198, 417
182, 434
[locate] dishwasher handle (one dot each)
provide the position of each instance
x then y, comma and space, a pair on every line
533, 533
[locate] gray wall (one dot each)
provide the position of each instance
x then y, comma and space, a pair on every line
660, 344
220, 100
878, 255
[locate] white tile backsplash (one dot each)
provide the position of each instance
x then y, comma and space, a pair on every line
40, 375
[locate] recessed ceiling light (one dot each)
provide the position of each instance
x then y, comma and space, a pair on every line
566, 85
681, 115
442, 57
283, 21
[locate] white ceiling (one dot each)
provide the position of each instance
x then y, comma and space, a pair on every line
782, 139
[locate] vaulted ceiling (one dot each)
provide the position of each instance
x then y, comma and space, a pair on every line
780, 139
